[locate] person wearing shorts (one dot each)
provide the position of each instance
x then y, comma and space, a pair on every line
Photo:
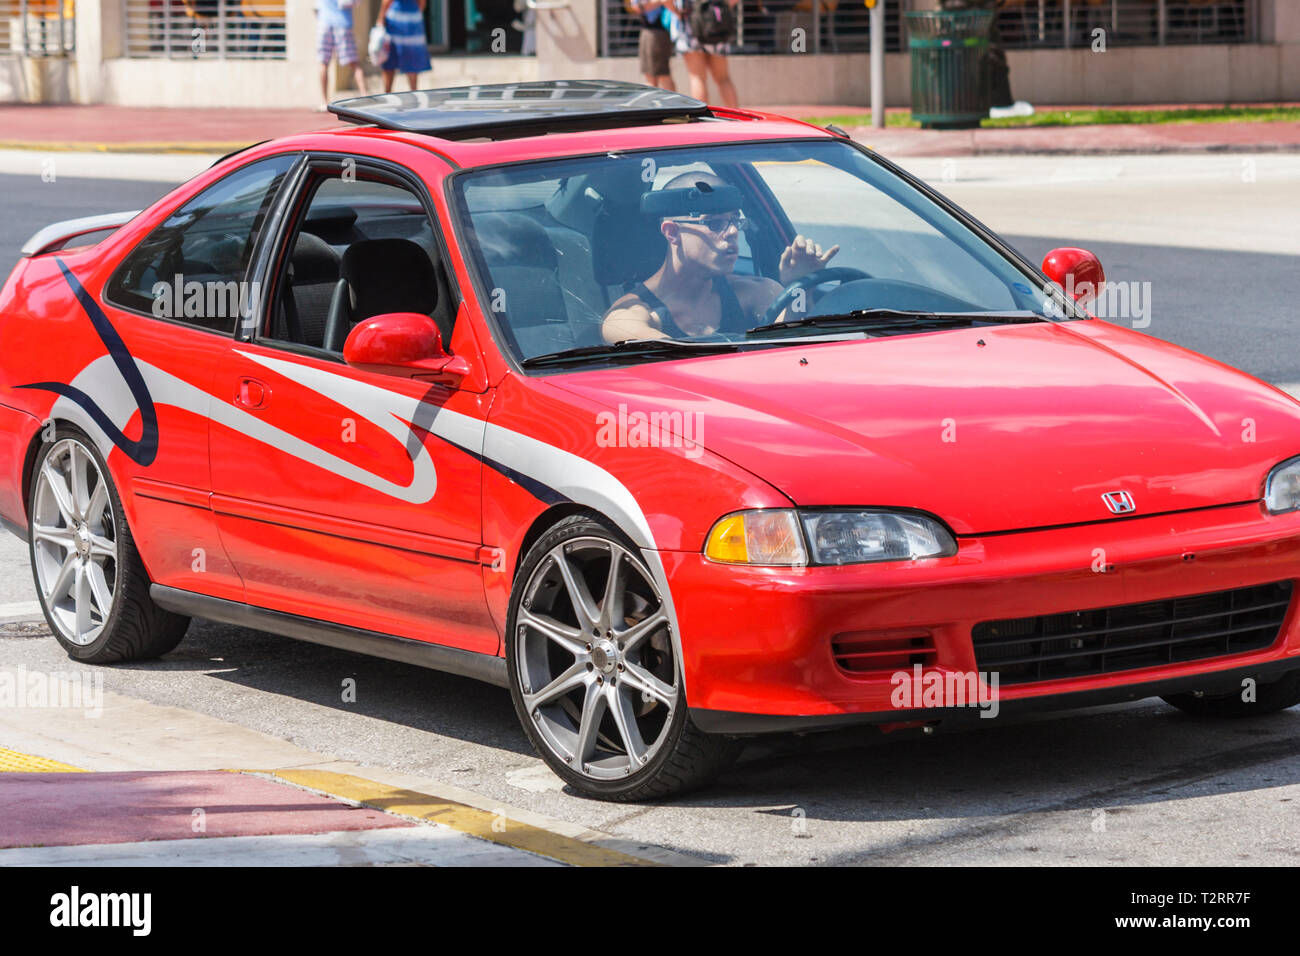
334, 38
403, 21
703, 60
655, 48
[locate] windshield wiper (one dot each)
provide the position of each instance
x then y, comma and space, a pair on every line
891, 318
630, 348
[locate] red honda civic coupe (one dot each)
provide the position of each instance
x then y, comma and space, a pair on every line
685, 424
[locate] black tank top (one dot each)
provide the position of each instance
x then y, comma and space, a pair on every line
732, 319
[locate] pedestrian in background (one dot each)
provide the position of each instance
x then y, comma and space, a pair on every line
408, 50
655, 47
334, 38
702, 34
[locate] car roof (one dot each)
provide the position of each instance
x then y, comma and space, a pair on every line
491, 124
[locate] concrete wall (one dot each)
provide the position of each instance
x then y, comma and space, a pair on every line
1171, 74
22, 80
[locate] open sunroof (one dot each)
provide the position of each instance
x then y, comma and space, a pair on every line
519, 108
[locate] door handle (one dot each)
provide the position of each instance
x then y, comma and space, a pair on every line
252, 394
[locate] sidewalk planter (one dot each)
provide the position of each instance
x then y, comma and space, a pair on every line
949, 50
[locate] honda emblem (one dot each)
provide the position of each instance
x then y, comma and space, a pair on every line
1119, 502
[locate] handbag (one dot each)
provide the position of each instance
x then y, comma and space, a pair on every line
380, 45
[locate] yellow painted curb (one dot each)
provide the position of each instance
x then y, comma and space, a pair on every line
457, 816
73, 147
11, 761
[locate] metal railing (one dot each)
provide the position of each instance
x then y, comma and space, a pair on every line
1076, 23
832, 26
205, 29
38, 27
774, 26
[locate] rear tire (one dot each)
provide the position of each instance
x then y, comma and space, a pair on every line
594, 673
92, 585
1269, 698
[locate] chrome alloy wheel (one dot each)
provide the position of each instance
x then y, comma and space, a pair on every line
74, 542
596, 667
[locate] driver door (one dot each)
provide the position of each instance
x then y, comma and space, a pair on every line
342, 494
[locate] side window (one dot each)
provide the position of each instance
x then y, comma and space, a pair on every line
194, 267
363, 245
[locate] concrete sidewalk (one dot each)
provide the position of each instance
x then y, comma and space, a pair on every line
134, 783
207, 131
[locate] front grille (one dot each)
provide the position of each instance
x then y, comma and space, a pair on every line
1109, 639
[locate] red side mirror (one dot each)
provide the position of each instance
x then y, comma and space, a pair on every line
402, 343
1077, 271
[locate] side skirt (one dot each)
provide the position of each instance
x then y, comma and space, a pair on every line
372, 643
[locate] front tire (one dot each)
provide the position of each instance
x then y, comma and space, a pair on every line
1269, 698
594, 672
92, 585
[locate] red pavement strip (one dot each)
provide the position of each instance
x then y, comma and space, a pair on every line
119, 126
66, 809
123, 128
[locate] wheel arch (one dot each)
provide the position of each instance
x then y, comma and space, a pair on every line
29, 463
546, 520
120, 482
558, 512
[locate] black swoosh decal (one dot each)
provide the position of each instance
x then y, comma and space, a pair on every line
542, 492
145, 450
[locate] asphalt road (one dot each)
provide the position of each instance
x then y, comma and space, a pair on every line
1138, 783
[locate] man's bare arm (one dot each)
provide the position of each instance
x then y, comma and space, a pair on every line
630, 320
756, 293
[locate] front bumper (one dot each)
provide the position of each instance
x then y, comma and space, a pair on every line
757, 642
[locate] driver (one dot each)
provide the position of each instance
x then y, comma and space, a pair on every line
695, 292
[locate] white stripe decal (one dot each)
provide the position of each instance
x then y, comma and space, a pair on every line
578, 479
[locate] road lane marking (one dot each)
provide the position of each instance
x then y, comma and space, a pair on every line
431, 808
11, 761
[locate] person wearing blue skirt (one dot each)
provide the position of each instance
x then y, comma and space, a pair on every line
408, 50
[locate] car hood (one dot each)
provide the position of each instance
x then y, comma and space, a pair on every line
991, 429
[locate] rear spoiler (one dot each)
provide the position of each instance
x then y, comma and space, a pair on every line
57, 235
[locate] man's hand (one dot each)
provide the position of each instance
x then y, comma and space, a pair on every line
802, 257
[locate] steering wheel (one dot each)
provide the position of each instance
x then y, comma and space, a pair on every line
832, 274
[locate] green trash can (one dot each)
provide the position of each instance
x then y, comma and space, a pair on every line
950, 82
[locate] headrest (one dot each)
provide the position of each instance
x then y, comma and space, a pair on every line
389, 275
699, 199
313, 260
511, 238
626, 246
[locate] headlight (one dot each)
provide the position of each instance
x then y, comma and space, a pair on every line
1282, 491
832, 537
859, 537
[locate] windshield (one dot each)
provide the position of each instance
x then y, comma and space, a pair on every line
723, 243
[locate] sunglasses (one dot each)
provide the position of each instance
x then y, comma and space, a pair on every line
719, 224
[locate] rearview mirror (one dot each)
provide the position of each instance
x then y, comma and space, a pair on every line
1077, 271
402, 343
